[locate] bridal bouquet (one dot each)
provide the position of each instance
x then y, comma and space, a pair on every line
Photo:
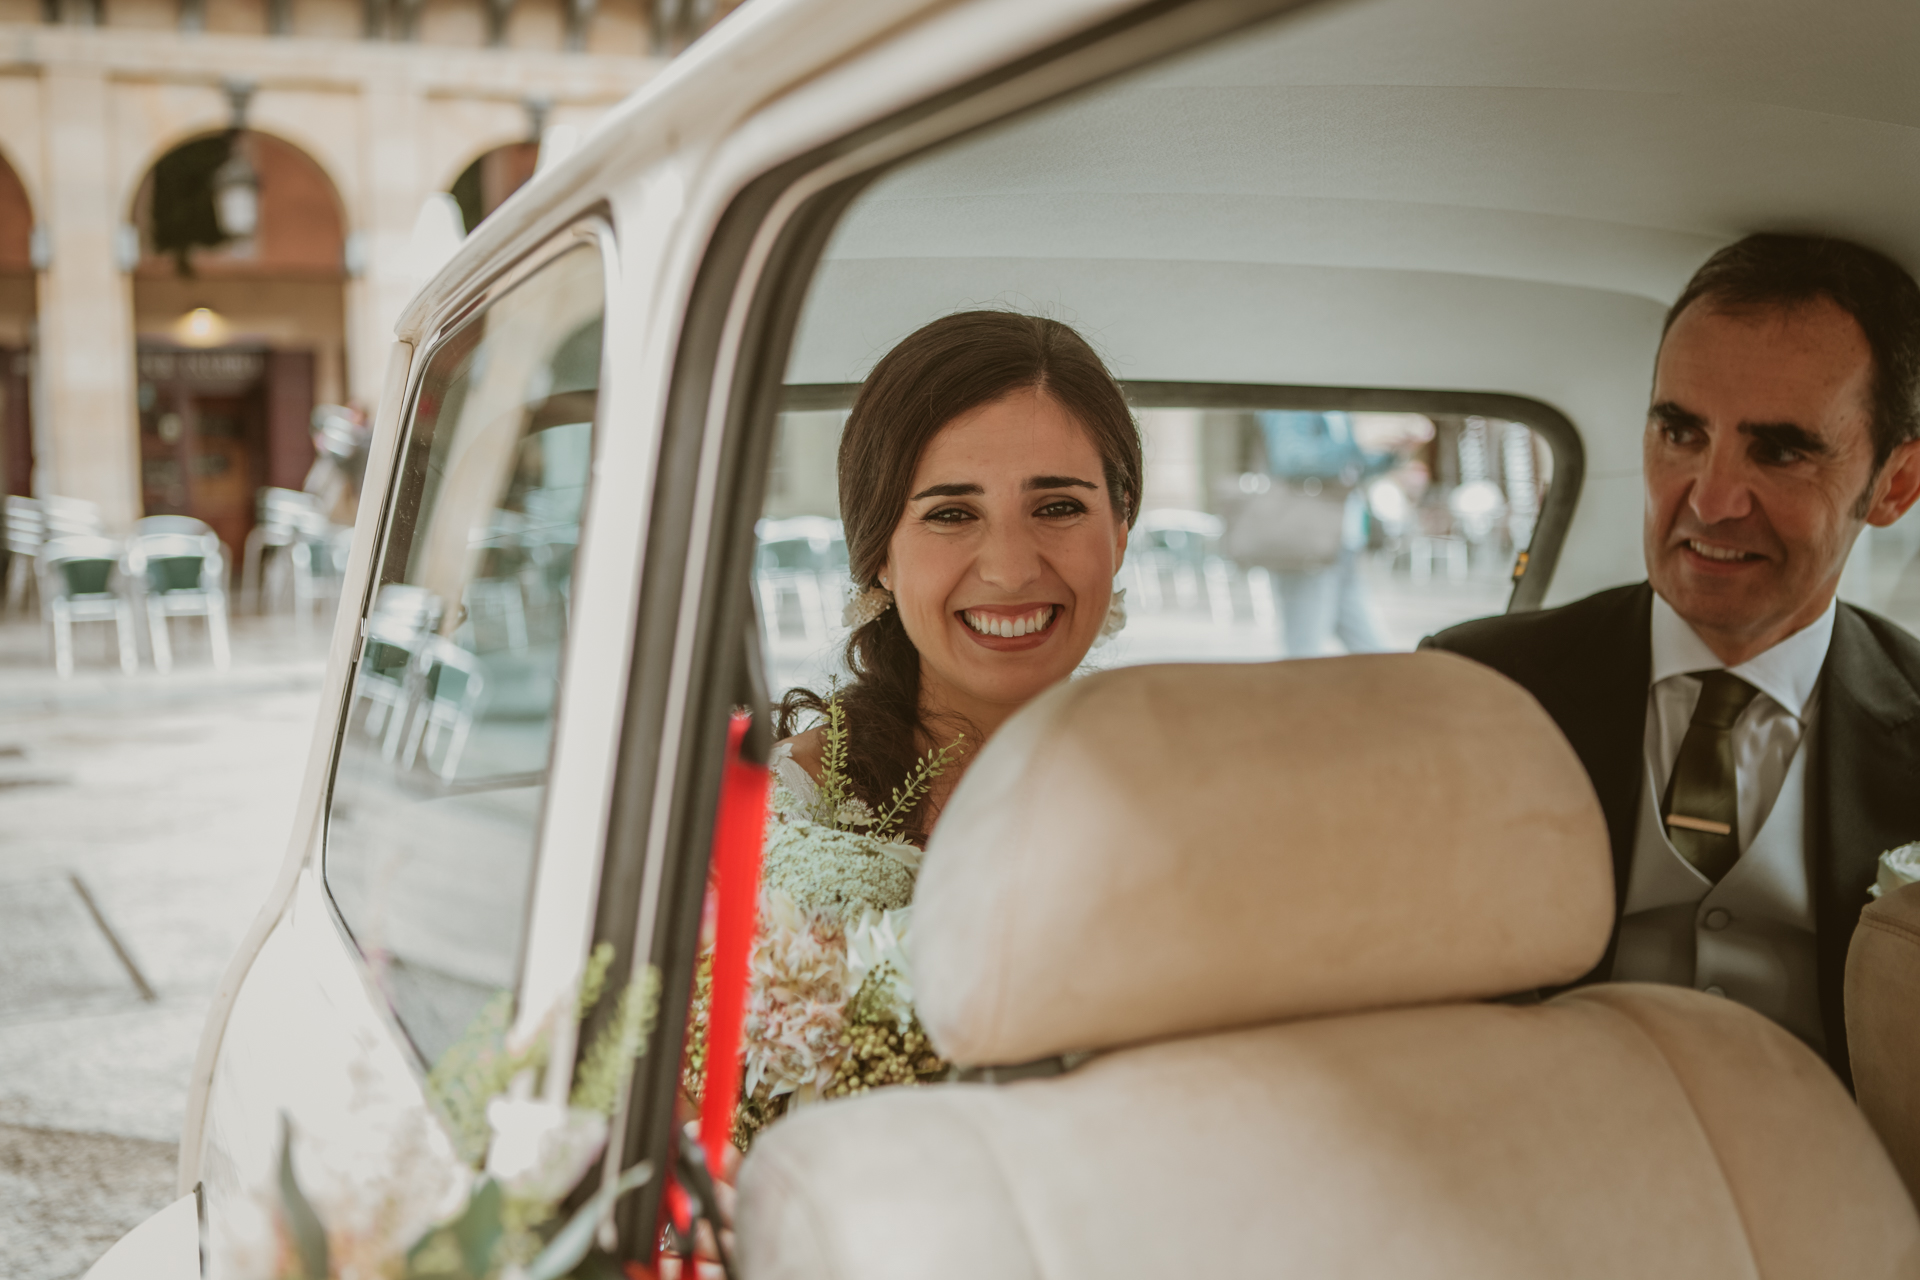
830, 992
478, 1196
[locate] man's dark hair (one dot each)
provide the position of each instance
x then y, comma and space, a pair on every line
1773, 270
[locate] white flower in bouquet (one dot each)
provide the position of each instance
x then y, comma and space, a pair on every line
472, 1190
876, 945
540, 1149
797, 988
1898, 867
842, 873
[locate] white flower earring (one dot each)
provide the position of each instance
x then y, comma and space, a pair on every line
866, 605
1116, 617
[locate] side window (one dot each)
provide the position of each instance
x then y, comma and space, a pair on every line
442, 766
1294, 533
1885, 571
1263, 533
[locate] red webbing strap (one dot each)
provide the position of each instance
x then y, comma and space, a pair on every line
738, 831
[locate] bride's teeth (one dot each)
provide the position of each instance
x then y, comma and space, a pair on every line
1011, 628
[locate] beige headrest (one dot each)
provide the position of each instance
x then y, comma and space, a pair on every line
1166, 850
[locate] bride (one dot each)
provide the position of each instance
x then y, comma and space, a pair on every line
989, 472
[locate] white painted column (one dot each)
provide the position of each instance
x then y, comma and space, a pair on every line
397, 178
86, 306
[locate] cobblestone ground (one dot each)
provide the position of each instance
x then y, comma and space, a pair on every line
142, 821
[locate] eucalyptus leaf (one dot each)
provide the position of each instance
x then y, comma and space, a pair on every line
303, 1224
478, 1229
569, 1246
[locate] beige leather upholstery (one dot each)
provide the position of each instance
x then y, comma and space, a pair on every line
1292, 829
1883, 1024
1625, 1131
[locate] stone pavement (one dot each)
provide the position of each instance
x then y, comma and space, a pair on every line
142, 821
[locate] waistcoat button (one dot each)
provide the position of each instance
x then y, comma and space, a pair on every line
1717, 919
1716, 991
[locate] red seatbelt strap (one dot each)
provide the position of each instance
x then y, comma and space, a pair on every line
738, 831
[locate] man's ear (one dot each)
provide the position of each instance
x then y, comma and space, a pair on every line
1898, 487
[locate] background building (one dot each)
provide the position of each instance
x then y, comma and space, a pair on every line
213, 211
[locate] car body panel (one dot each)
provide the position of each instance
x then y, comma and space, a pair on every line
164, 1247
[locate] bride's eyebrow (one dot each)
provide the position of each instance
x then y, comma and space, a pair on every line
951, 491
1060, 482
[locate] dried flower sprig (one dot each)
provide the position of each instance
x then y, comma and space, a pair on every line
839, 808
477, 1068
891, 822
603, 1073
480, 1065
836, 788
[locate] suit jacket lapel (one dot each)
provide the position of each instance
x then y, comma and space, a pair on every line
1600, 702
1863, 796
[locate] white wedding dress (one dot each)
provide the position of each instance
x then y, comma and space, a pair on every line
802, 794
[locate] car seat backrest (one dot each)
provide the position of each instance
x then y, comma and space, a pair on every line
1272, 898
1883, 1024
1186, 848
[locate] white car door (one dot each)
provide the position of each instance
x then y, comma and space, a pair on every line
437, 797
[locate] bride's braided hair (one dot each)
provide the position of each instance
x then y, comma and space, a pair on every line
940, 371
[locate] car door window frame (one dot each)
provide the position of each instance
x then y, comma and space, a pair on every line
592, 228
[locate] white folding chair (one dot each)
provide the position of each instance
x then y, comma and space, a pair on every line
449, 685
180, 574
284, 520
71, 517
78, 584
402, 618
24, 527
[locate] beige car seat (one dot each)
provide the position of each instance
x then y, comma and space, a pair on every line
1275, 899
1883, 1024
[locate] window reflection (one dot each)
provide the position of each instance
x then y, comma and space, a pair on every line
442, 766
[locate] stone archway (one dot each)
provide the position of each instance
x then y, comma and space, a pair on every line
491, 178
239, 334
17, 319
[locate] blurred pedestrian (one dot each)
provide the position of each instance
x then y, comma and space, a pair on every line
1315, 457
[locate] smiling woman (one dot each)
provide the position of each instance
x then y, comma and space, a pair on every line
988, 474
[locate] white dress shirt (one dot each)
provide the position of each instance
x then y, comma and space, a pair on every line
1767, 733
1749, 937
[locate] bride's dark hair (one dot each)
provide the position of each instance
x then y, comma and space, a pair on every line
940, 371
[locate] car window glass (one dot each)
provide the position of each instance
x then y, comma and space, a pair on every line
1884, 573
1262, 534
437, 793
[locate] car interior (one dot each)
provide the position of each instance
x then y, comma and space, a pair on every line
1304, 1076
1468, 216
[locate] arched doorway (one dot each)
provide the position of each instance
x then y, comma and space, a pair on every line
17, 310
239, 313
489, 180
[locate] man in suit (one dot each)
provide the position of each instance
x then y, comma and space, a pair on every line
1755, 744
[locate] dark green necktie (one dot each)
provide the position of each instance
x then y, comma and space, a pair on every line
1702, 806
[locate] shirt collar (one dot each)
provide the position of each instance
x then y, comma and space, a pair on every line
1787, 673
